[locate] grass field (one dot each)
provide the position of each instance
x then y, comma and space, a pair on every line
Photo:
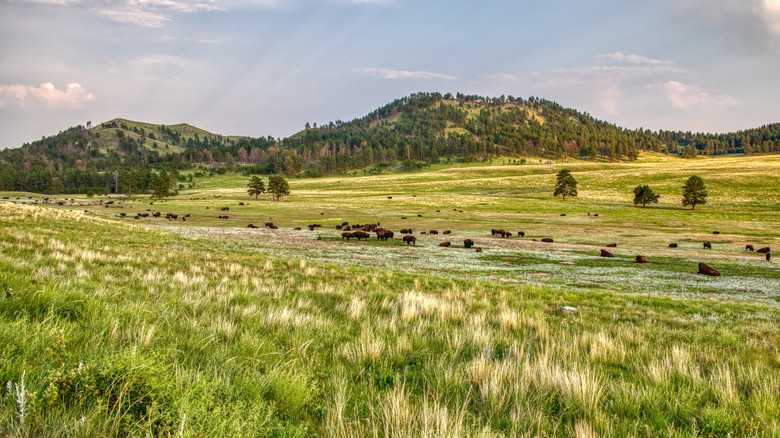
204, 327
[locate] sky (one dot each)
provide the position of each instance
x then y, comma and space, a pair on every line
267, 67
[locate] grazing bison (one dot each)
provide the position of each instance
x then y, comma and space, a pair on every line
445, 244
269, 224
468, 243
641, 259
433, 232
225, 208
382, 234
251, 226
410, 239
563, 214
707, 245
361, 235
447, 232
494, 231
297, 228
605, 253
764, 250
547, 240
672, 245
406, 231
716, 232
706, 270
521, 233
346, 235
338, 227
749, 248
612, 245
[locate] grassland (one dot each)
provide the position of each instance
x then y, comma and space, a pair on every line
120, 327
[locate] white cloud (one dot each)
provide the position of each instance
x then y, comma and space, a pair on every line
386, 73
633, 59
691, 98
74, 96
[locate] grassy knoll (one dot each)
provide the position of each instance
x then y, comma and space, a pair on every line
123, 327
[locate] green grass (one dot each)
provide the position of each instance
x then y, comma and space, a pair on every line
128, 327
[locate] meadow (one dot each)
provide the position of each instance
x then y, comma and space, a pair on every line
114, 326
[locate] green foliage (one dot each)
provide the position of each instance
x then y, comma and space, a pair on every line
565, 184
644, 194
278, 186
694, 192
256, 186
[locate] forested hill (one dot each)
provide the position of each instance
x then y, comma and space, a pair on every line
408, 133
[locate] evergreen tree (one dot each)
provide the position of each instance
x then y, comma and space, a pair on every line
565, 184
278, 186
161, 187
256, 186
694, 192
644, 194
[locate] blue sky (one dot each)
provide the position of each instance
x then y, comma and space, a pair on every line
266, 67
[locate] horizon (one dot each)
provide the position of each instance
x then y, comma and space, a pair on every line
259, 68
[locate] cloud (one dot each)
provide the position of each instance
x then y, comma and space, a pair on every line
690, 98
22, 96
633, 59
753, 23
386, 73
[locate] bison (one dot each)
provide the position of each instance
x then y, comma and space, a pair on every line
410, 239
447, 232
346, 235
297, 228
612, 245
445, 244
433, 232
672, 245
251, 226
521, 233
361, 235
764, 250
706, 270
605, 253
707, 245
768, 256
382, 234
547, 240
468, 243
749, 248
406, 231
641, 259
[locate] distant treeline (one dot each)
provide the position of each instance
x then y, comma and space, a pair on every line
412, 131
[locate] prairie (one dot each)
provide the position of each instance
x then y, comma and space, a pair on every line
204, 327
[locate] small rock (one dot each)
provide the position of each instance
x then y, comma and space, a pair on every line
567, 309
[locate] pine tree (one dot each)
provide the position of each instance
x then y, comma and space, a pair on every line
644, 194
256, 186
278, 186
565, 184
694, 192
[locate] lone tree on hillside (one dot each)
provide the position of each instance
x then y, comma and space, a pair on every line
565, 184
644, 194
256, 186
278, 186
694, 192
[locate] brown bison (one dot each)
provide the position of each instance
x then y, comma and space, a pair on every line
447, 232
410, 239
768, 256
749, 248
468, 243
716, 232
706, 270
406, 231
521, 233
433, 232
269, 224
641, 259
479, 249
672, 245
297, 228
382, 234
764, 250
251, 226
346, 235
605, 253
361, 235
547, 240
612, 245
707, 245
445, 244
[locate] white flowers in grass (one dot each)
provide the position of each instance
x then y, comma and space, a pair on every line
20, 395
